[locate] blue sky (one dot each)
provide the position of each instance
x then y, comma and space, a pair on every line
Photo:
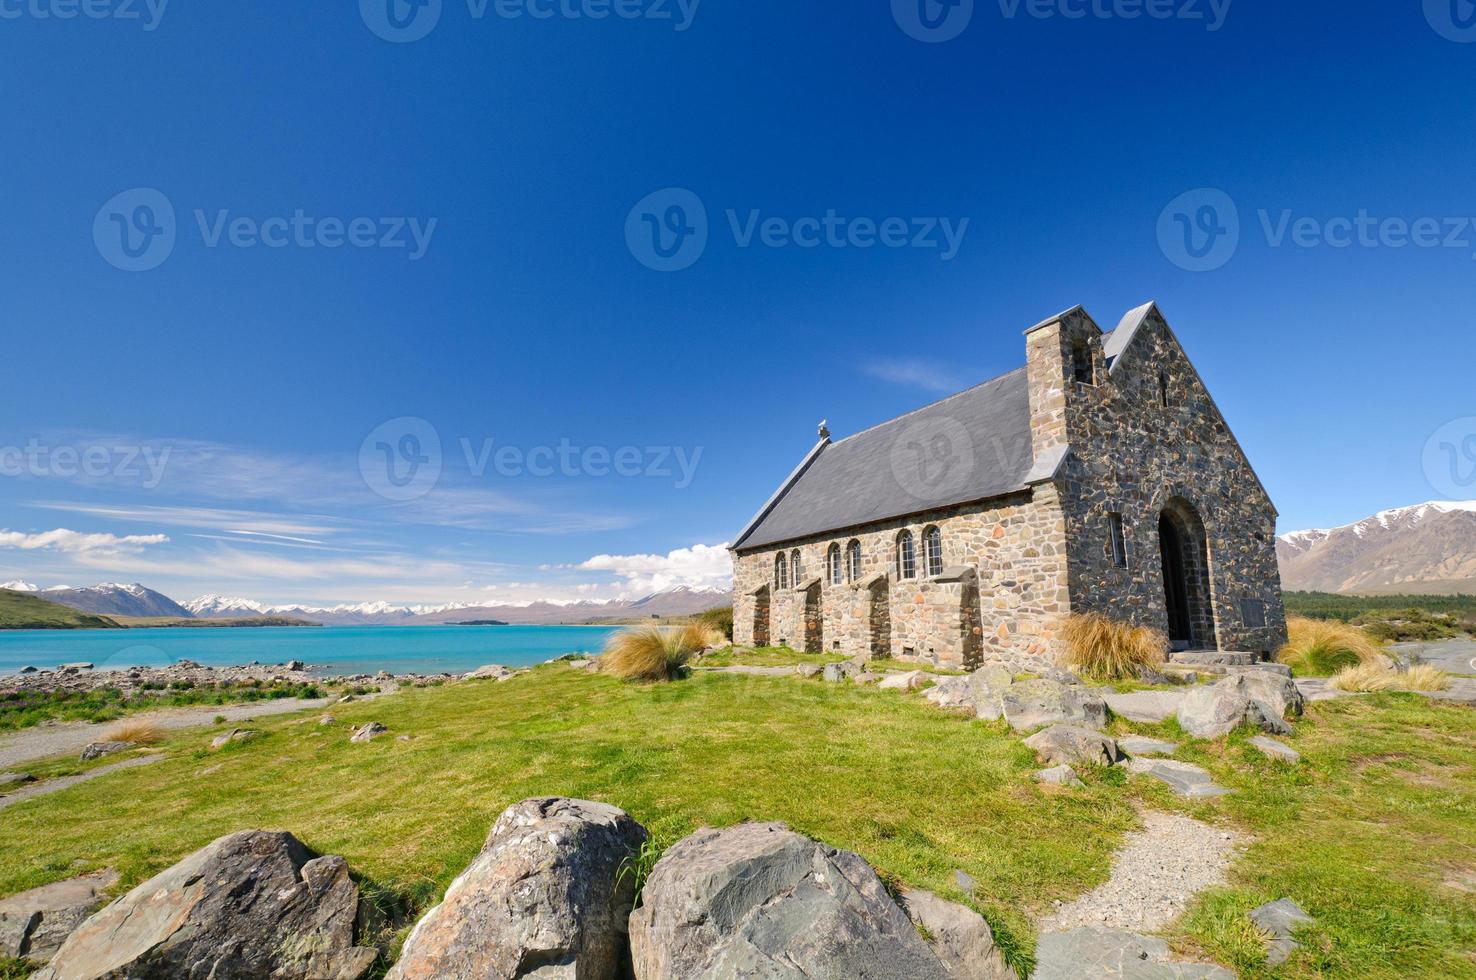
493, 164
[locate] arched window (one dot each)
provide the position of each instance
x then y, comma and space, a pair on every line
853, 561
933, 551
906, 556
833, 564
781, 572
794, 568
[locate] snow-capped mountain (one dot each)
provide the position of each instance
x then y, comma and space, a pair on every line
18, 586
116, 599
214, 606
1429, 547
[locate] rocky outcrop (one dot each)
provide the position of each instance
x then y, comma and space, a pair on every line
1145, 706
96, 750
35, 923
910, 680
758, 900
234, 735
368, 731
991, 693
1062, 775
250, 905
978, 692
1074, 745
1260, 699
959, 936
548, 896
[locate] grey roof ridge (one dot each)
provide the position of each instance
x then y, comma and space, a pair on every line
774, 499
932, 404
1130, 322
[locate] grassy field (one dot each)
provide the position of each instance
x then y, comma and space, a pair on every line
22, 709
1375, 834
23, 611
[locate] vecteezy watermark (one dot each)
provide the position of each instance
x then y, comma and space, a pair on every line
1211, 12
403, 21
668, 231
401, 460
1449, 459
1454, 20
933, 21
136, 231
35, 458
148, 13
932, 458
1200, 230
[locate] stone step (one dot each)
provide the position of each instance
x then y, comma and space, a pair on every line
1214, 658
1213, 671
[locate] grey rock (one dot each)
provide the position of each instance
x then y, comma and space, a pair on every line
296, 665
96, 750
909, 680
966, 882
1259, 699
35, 923
1135, 745
1062, 775
758, 900
326, 720
866, 677
835, 673
82, 665
249, 905
234, 735
1145, 706
1029, 705
980, 693
547, 897
1280, 919
808, 671
960, 937
1073, 744
1094, 952
367, 731
494, 672
15, 778
584, 664
28, 669
1185, 779
1277, 690
1274, 749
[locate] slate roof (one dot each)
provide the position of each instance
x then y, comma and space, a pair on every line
871, 476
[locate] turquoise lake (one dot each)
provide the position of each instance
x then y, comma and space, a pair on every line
329, 649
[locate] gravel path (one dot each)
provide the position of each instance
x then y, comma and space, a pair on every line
68, 738
1154, 876
62, 782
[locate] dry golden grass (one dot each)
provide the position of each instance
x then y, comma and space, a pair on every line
1105, 649
654, 654
137, 732
1326, 646
1376, 677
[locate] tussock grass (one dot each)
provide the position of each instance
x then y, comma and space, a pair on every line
1108, 650
137, 732
1322, 647
1373, 677
654, 654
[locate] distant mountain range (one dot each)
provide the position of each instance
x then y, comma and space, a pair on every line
1428, 548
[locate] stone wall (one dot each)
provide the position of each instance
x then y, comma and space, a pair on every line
1135, 456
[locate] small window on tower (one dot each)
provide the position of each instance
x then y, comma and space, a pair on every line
1163, 390
1119, 542
1081, 362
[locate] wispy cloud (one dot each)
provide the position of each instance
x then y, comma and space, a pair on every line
77, 543
914, 372
217, 519
700, 566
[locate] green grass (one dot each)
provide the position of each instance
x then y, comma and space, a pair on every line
766, 657
22, 709
23, 611
1374, 834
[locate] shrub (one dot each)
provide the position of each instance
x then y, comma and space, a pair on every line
721, 618
137, 732
1322, 647
1378, 677
654, 654
1105, 649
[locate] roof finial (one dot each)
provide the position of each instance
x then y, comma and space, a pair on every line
824, 428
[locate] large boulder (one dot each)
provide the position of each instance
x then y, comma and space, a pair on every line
909, 680
758, 900
1074, 745
1033, 704
548, 896
96, 750
1276, 690
960, 937
252, 904
980, 693
35, 923
1257, 698
1144, 706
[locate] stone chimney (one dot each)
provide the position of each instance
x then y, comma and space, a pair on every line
1061, 354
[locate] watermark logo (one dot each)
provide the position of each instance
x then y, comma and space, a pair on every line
933, 458
135, 230
1199, 230
148, 12
667, 230
933, 21
401, 459
144, 465
400, 21
1454, 20
1449, 459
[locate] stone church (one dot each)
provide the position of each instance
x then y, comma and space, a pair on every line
1100, 476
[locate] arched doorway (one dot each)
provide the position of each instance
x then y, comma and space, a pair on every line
1186, 588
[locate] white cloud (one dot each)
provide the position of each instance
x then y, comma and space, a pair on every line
917, 373
77, 543
700, 566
